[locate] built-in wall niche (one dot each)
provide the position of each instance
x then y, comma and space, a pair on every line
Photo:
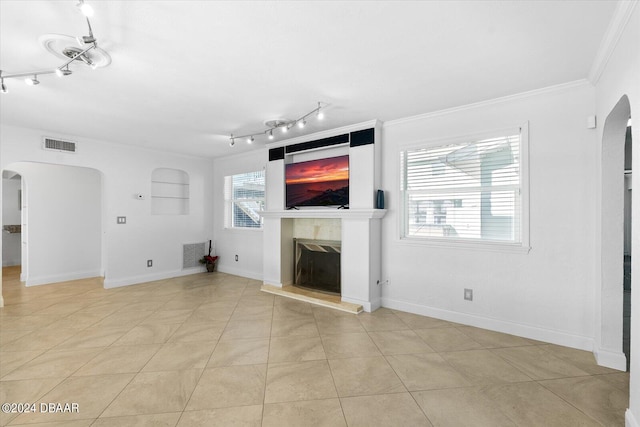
169, 192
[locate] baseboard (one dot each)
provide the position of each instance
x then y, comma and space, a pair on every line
630, 420
1, 301
134, 280
611, 359
240, 272
274, 284
525, 331
45, 280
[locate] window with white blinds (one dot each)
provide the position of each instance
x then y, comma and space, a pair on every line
244, 198
466, 191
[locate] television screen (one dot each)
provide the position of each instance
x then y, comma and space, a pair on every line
322, 182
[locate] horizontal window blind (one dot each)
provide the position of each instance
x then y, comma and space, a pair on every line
244, 198
469, 191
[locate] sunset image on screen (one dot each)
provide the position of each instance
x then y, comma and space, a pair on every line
331, 169
322, 182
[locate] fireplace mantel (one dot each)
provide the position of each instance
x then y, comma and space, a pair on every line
360, 225
326, 213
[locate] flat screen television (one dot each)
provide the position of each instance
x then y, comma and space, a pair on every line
322, 182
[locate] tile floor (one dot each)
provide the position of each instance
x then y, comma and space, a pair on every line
212, 350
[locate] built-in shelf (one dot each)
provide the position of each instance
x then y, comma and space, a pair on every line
169, 192
326, 213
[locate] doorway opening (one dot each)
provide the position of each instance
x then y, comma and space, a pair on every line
614, 249
626, 305
12, 220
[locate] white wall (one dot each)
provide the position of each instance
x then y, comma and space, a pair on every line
62, 208
545, 294
247, 244
620, 78
126, 172
10, 216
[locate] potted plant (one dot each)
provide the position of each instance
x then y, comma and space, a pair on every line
209, 261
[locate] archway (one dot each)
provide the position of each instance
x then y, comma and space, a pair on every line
62, 207
611, 291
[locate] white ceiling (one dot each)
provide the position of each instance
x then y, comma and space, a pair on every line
186, 74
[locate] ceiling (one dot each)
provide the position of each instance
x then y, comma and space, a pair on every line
186, 74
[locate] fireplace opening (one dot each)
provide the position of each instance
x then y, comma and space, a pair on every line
317, 265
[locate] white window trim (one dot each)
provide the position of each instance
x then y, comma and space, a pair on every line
523, 246
228, 206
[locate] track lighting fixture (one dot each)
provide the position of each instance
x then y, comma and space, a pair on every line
71, 54
283, 125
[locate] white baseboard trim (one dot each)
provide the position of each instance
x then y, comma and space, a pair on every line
274, 284
526, 331
242, 273
611, 359
45, 280
630, 420
134, 280
1, 301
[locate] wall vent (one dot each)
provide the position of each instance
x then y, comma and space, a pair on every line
58, 145
192, 253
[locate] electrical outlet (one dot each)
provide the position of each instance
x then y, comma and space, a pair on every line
236, 257
149, 263
468, 294
121, 220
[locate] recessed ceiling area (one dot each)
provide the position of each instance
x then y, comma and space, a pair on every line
185, 75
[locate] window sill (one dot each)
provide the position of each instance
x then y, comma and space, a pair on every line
243, 230
466, 245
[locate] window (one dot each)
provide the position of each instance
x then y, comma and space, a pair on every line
466, 191
244, 198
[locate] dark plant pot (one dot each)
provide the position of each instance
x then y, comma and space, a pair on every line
211, 267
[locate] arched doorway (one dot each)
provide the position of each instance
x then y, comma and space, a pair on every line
62, 211
612, 241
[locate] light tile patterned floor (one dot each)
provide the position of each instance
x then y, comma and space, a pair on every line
212, 350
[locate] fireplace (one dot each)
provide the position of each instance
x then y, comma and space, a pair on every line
317, 265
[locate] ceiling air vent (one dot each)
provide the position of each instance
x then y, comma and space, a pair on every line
58, 145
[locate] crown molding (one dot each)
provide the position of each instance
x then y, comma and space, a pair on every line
618, 23
518, 96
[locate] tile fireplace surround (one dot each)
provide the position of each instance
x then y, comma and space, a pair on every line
359, 226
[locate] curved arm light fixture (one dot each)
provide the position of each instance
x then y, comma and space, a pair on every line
284, 125
87, 43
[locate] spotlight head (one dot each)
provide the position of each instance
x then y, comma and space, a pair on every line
301, 123
250, 139
285, 128
32, 81
271, 134
4, 88
61, 73
232, 143
86, 9
320, 114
